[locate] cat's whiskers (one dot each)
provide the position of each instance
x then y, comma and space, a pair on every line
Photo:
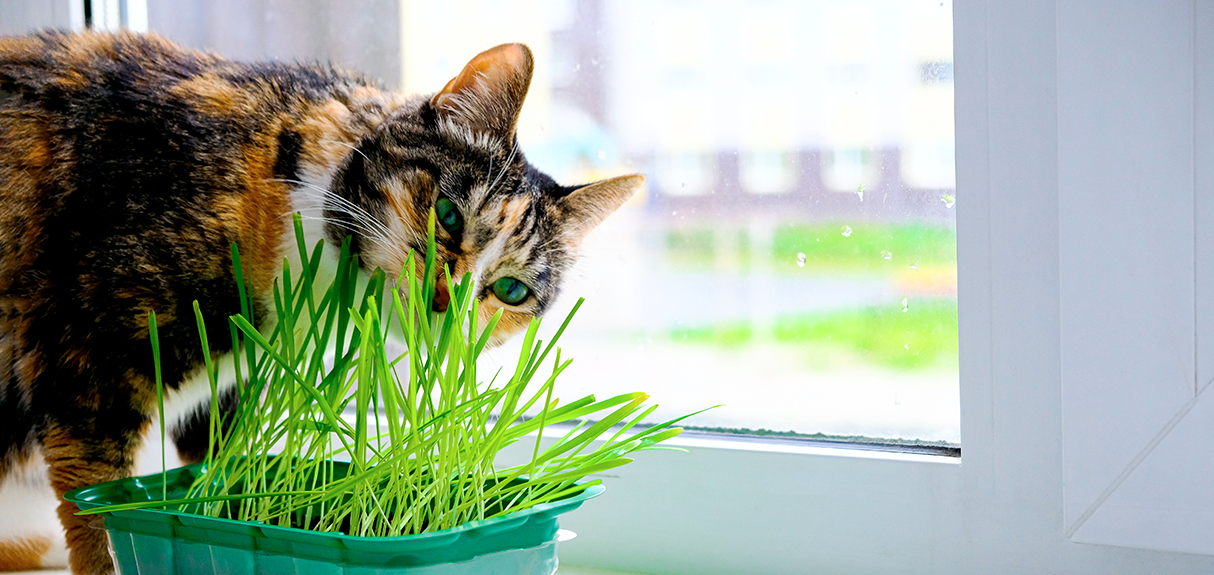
368, 235
360, 221
343, 205
549, 241
356, 150
353, 225
394, 244
388, 246
325, 191
348, 207
505, 168
357, 223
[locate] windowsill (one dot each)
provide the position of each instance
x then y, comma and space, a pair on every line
759, 444
885, 451
563, 570
576, 570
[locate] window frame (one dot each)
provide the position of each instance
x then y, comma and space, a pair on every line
755, 507
732, 507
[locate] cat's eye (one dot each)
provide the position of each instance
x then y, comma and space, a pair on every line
448, 216
510, 290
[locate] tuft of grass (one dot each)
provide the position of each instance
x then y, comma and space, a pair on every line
424, 457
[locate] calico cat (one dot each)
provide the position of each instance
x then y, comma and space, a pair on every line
129, 165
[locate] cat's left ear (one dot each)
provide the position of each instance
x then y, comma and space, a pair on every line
488, 94
586, 207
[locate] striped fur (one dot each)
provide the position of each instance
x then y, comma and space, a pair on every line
128, 165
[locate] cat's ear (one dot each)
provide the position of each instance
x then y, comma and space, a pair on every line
586, 207
488, 94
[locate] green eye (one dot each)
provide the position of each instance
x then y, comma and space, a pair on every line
510, 290
448, 216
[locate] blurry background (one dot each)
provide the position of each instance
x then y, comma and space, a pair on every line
794, 254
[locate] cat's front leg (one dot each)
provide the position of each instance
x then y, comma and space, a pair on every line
83, 445
192, 434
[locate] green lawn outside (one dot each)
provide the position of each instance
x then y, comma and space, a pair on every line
923, 336
826, 249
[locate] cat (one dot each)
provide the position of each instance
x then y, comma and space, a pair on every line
129, 165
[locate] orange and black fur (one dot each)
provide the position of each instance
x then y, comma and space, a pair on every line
129, 165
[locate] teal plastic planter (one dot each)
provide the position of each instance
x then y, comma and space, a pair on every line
163, 542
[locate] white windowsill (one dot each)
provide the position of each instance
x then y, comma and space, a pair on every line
576, 570
792, 447
563, 570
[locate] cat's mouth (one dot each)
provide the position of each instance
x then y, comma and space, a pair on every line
442, 297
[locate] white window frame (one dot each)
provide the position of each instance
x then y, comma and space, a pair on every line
1088, 442
1031, 408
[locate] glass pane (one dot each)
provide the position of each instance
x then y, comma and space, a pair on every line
794, 254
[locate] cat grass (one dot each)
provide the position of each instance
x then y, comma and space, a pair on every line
427, 431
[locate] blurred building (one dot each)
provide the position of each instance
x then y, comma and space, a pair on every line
808, 110
811, 108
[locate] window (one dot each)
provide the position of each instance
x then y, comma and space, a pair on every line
1035, 120
793, 255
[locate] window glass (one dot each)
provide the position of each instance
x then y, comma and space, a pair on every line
794, 254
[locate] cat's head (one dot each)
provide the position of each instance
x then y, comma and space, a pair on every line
514, 229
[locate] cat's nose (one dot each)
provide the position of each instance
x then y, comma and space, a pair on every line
441, 297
